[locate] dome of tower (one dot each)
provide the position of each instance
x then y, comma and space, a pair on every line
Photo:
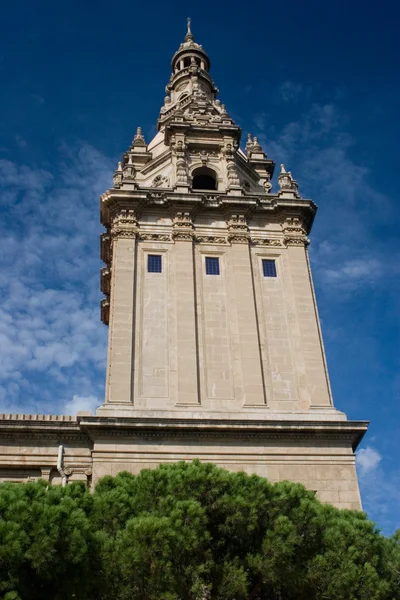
190, 52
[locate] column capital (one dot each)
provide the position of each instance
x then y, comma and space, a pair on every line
124, 223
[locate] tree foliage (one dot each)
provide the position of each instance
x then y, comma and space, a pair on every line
189, 531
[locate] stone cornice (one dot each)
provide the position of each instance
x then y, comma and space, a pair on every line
351, 431
54, 427
139, 200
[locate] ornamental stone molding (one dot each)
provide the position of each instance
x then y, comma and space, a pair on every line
294, 232
258, 241
105, 247
211, 239
296, 241
160, 181
129, 171
288, 186
154, 237
124, 223
118, 175
105, 310
105, 280
183, 229
238, 231
293, 225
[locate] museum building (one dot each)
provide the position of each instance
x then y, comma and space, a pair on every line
215, 349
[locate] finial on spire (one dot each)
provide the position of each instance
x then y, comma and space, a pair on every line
287, 183
138, 140
256, 145
189, 35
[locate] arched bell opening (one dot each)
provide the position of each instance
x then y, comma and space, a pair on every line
204, 179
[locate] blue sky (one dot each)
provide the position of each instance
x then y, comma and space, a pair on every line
317, 82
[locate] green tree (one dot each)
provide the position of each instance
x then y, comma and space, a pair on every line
189, 531
46, 541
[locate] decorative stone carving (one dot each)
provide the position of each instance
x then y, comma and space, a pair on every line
154, 237
238, 231
183, 227
138, 140
267, 183
181, 165
117, 178
105, 247
181, 171
293, 225
233, 177
105, 279
204, 155
237, 222
156, 197
105, 310
124, 224
287, 183
211, 201
256, 147
249, 145
296, 241
211, 239
284, 180
294, 232
160, 180
129, 171
266, 242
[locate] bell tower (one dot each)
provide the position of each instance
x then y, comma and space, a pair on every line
215, 348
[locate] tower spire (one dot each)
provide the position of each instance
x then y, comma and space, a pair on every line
189, 35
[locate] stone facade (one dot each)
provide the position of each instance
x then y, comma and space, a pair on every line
226, 366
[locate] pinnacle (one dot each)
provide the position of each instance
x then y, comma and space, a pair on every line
189, 37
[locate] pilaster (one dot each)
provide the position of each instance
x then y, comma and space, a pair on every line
314, 384
187, 335
121, 326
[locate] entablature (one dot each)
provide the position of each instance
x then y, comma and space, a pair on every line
115, 200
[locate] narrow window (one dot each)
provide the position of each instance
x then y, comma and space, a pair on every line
269, 267
212, 265
154, 263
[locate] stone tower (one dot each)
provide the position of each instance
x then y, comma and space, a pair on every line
215, 348
214, 333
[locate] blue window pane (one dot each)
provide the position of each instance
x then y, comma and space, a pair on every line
154, 263
212, 265
269, 267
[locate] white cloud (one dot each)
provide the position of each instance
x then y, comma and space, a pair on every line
352, 273
380, 490
52, 343
290, 90
81, 403
367, 460
316, 148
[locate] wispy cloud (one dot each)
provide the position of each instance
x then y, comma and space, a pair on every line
80, 404
352, 274
316, 148
21, 143
52, 343
290, 91
368, 459
380, 493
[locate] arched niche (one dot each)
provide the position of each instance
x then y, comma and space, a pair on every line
204, 178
